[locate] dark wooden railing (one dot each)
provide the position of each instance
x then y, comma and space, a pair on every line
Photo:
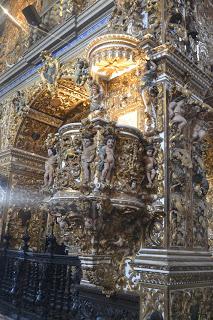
38, 283
46, 286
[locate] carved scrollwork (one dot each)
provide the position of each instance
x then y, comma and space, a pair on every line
155, 231
13, 111
101, 164
102, 228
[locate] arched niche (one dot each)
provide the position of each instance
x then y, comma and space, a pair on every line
48, 112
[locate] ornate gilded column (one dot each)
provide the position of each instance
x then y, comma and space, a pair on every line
174, 265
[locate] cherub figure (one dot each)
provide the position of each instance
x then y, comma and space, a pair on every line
176, 112
199, 131
107, 159
150, 165
87, 157
50, 165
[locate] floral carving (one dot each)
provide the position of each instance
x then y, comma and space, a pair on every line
13, 111
153, 301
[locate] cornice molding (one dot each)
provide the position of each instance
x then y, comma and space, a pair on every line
65, 41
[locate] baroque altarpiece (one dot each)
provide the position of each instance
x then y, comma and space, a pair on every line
106, 141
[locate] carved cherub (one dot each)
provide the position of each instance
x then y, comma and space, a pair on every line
134, 23
150, 165
199, 131
176, 112
107, 159
50, 165
87, 157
